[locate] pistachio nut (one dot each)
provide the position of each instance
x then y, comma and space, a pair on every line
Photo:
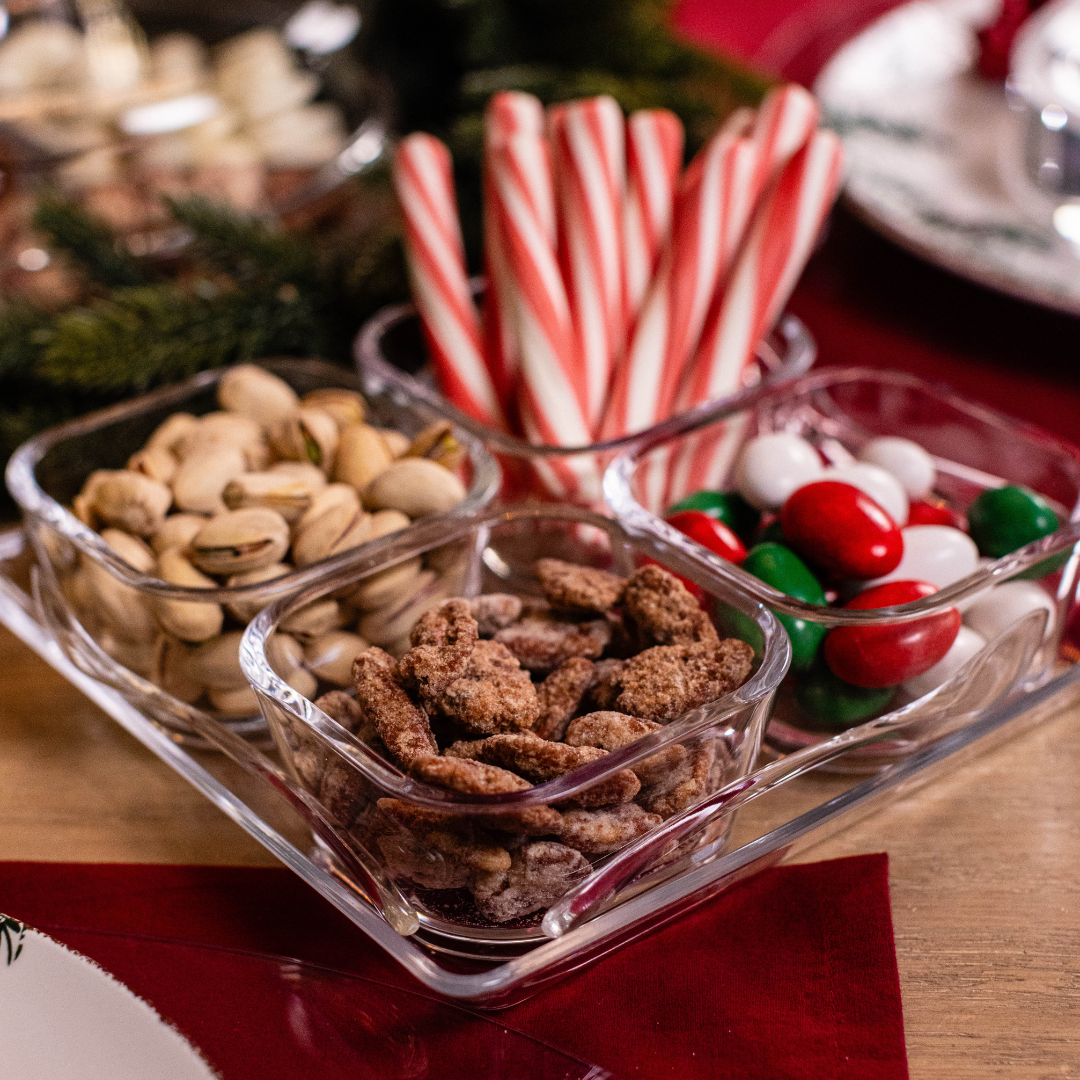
330, 656
130, 501
155, 462
449, 559
306, 435
303, 682
245, 609
201, 478
234, 704
284, 653
135, 552
396, 619
362, 454
438, 443
331, 496
82, 506
171, 432
289, 495
220, 429
337, 529
384, 522
314, 619
189, 620
121, 608
177, 530
137, 655
254, 392
171, 671
240, 540
300, 470
397, 442
415, 486
216, 663
345, 406
378, 590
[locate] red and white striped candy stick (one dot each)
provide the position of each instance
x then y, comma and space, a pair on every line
508, 113
779, 244
423, 181
711, 211
553, 393
589, 162
786, 119
654, 150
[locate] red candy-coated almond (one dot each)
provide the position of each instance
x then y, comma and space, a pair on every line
842, 529
877, 656
710, 533
925, 513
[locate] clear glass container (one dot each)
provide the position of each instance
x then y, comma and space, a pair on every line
838, 411
46, 472
417, 884
390, 352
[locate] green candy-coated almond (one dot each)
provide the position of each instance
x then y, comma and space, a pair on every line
781, 568
1001, 520
806, 638
726, 506
837, 704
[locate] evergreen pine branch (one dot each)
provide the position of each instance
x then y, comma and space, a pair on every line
24, 332
88, 242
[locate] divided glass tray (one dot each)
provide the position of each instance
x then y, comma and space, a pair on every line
254, 790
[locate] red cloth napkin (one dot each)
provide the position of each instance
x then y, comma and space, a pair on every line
790, 975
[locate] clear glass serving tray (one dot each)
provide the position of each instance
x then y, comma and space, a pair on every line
267, 812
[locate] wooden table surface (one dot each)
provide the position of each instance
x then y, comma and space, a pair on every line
984, 864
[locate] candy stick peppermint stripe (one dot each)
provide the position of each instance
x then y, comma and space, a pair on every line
423, 181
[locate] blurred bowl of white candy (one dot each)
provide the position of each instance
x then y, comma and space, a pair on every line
118, 118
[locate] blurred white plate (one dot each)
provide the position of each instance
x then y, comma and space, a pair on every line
933, 153
64, 1018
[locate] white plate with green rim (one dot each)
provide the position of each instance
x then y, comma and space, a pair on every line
65, 1018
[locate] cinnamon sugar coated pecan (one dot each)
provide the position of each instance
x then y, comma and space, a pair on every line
498, 694
578, 589
493, 693
664, 611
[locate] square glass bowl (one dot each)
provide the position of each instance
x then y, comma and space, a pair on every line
415, 879
46, 472
390, 353
839, 411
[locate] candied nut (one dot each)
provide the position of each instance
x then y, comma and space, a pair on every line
472, 749
409, 858
578, 589
189, 620
442, 642
337, 529
330, 656
437, 443
664, 611
493, 611
155, 462
345, 406
202, 477
665, 681
177, 530
345, 709
415, 486
684, 785
254, 392
171, 432
290, 496
246, 608
341, 791
128, 501
240, 540
306, 435
468, 777
596, 832
542, 642
362, 454
614, 730
539, 873
314, 619
234, 704
216, 663
606, 685
559, 696
401, 725
378, 590
492, 694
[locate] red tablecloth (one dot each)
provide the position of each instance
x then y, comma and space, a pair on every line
789, 976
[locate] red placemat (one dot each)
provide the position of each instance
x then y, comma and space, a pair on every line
791, 974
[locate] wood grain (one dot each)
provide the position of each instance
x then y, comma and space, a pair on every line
984, 863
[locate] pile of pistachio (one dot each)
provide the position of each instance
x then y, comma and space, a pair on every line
270, 483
